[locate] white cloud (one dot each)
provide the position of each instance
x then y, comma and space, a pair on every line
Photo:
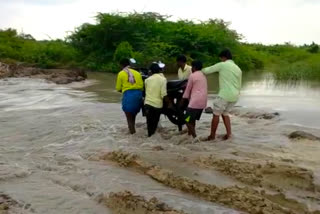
273, 21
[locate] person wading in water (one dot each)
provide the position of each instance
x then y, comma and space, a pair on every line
156, 92
230, 77
130, 84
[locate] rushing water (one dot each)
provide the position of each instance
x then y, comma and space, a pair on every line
47, 131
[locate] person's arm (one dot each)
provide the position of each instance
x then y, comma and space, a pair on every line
145, 84
180, 77
187, 92
163, 90
212, 69
140, 82
119, 83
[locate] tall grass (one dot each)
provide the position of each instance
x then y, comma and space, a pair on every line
307, 68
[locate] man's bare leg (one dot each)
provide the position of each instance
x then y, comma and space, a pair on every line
214, 126
227, 124
192, 129
131, 122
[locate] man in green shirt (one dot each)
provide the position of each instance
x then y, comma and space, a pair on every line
230, 77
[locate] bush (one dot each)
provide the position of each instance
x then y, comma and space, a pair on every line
152, 37
123, 50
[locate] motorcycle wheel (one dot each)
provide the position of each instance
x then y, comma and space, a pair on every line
174, 118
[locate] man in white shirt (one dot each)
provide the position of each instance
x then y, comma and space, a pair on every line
184, 69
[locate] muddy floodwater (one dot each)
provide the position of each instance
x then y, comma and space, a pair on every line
64, 149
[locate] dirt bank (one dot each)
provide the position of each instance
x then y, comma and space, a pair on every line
126, 202
244, 198
58, 76
11, 206
269, 175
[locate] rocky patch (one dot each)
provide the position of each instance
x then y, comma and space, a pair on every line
303, 135
268, 175
126, 202
241, 198
58, 76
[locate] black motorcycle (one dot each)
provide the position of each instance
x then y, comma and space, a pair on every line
173, 108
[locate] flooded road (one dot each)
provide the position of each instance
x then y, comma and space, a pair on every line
52, 138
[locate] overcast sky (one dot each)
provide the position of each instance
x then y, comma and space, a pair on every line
263, 21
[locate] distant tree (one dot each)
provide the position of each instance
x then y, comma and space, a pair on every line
313, 48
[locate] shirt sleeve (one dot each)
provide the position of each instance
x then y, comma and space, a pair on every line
164, 88
180, 77
212, 69
119, 83
146, 83
187, 92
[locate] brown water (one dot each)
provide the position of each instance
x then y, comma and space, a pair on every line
49, 131
298, 102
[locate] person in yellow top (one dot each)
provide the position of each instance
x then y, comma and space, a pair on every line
184, 70
156, 91
130, 84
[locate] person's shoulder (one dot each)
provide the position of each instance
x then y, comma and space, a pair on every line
234, 65
134, 71
121, 73
200, 73
162, 77
197, 74
188, 67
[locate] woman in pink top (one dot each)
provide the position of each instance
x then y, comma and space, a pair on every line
197, 94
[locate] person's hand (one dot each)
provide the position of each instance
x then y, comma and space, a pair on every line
170, 106
182, 102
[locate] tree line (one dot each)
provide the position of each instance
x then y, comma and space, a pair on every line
149, 37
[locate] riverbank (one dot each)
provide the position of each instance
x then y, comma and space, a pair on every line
58, 76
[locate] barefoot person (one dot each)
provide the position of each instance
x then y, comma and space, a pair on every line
230, 76
156, 90
184, 69
196, 92
130, 84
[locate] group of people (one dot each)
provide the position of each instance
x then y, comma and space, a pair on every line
130, 83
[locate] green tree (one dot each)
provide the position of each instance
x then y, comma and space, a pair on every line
123, 50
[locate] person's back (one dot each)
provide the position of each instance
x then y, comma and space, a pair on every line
123, 83
130, 84
155, 90
198, 90
230, 77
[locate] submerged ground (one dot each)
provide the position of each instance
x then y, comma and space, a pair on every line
64, 151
